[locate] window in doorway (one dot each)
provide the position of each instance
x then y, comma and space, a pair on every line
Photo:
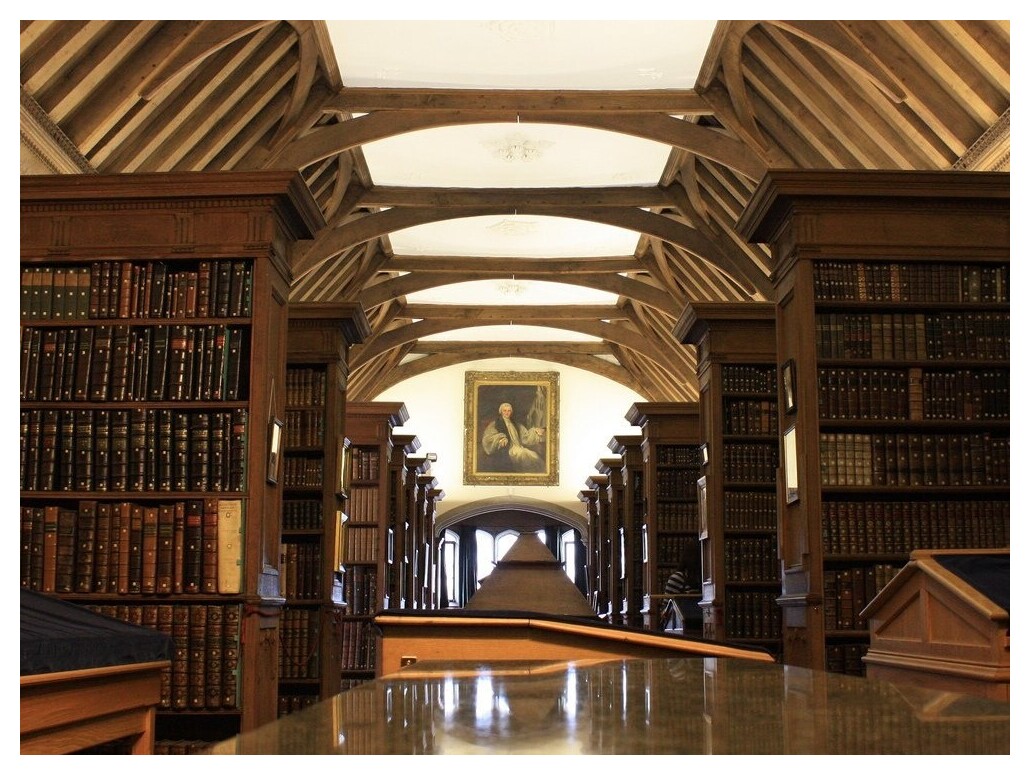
449, 563
491, 548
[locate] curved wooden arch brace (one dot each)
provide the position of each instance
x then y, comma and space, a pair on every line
834, 38
307, 72
335, 240
410, 332
205, 39
394, 288
661, 128
435, 361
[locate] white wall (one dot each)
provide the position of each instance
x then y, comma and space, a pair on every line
591, 411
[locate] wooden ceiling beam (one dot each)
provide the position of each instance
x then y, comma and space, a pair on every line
510, 312
557, 266
233, 99
334, 240
269, 93
434, 346
77, 83
395, 287
380, 125
673, 101
154, 123
613, 196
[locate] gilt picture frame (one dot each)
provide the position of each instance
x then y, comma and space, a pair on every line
511, 428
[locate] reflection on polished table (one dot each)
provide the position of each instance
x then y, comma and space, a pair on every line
703, 705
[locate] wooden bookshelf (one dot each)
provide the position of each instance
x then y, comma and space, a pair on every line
671, 441
398, 561
415, 466
432, 568
630, 603
588, 497
315, 483
736, 369
424, 564
892, 320
600, 534
158, 434
614, 497
369, 427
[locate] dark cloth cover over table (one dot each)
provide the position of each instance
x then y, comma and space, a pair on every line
57, 636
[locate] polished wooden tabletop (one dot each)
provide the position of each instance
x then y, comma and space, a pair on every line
703, 705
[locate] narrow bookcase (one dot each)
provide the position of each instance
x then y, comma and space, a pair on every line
398, 532
892, 326
588, 497
740, 568
600, 543
611, 469
413, 494
146, 419
369, 428
630, 601
671, 447
427, 493
314, 481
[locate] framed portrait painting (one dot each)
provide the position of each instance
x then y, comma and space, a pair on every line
511, 428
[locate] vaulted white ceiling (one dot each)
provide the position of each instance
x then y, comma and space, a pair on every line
599, 55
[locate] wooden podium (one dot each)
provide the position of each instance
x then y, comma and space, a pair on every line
943, 623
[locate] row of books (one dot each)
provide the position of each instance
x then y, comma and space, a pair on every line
672, 548
302, 515
907, 282
846, 658
299, 641
749, 510
300, 570
364, 463
304, 428
748, 462
677, 482
125, 289
305, 386
302, 471
290, 703
913, 394
359, 646
133, 450
364, 505
361, 544
899, 527
133, 363
914, 459
205, 651
360, 588
752, 559
752, 614
688, 455
973, 336
676, 517
748, 379
749, 416
132, 548
847, 591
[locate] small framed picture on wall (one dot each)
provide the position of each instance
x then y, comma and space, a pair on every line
788, 383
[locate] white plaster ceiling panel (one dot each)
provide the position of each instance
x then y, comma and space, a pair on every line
529, 236
521, 54
511, 291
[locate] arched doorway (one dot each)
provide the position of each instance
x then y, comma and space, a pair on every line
472, 537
